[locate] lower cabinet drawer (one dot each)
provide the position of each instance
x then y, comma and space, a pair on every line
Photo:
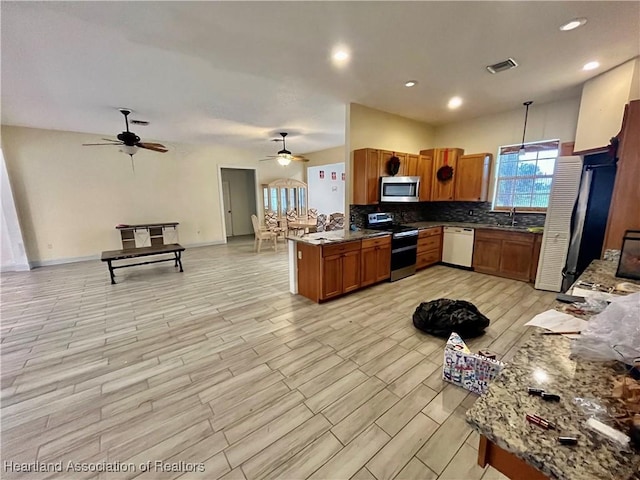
429, 243
376, 242
428, 232
427, 258
338, 248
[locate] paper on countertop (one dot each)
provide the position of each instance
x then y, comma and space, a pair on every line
558, 322
596, 295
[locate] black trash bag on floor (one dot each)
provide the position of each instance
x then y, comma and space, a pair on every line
443, 316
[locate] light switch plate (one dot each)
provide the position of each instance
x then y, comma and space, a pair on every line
299, 255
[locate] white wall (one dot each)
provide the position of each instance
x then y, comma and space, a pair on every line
488, 133
13, 256
325, 194
242, 191
602, 105
326, 157
370, 128
69, 197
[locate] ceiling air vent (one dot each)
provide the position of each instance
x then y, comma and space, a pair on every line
507, 64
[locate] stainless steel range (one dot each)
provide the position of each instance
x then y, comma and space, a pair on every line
404, 244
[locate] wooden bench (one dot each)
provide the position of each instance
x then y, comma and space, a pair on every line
112, 255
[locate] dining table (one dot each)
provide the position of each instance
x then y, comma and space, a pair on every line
305, 224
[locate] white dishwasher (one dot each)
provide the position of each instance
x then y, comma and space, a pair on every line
457, 247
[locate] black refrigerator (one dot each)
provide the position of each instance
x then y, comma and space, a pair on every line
589, 218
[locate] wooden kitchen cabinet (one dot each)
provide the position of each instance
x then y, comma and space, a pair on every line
367, 170
506, 253
471, 177
623, 211
328, 271
443, 190
515, 257
429, 247
425, 172
385, 156
375, 263
535, 257
486, 255
409, 167
340, 269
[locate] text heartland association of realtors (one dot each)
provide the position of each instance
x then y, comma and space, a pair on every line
98, 467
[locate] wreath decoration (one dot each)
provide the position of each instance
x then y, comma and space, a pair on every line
393, 165
445, 173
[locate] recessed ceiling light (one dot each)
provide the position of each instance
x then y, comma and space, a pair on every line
411, 83
340, 55
573, 24
591, 66
455, 102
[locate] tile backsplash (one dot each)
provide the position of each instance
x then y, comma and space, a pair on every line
470, 212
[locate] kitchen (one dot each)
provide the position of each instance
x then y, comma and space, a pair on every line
324, 266
488, 238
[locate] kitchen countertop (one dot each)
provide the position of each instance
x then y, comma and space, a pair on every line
543, 361
492, 226
337, 236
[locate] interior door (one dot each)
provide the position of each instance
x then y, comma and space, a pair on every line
228, 216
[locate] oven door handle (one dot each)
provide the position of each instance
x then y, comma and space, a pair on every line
405, 249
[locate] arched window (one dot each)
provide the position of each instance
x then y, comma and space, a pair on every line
284, 194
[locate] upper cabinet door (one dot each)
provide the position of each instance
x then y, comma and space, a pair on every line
425, 172
471, 178
366, 176
443, 190
409, 168
385, 156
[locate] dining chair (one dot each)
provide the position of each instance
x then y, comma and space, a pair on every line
262, 233
292, 217
273, 225
321, 223
336, 221
313, 213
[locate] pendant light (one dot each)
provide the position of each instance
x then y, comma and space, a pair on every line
524, 131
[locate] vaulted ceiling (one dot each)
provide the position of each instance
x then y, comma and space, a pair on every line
239, 72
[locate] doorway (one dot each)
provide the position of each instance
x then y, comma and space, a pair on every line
238, 200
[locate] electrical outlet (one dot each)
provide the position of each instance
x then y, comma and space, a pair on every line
471, 212
299, 255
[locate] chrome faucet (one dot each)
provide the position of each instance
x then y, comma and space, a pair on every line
512, 214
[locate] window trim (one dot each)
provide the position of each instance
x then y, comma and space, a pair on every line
508, 149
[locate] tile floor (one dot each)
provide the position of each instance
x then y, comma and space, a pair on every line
221, 366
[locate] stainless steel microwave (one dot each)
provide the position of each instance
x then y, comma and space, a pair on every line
399, 189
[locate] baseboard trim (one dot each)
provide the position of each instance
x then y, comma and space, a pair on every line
14, 268
60, 261
205, 244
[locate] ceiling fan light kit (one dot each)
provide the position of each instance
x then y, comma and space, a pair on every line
128, 141
284, 156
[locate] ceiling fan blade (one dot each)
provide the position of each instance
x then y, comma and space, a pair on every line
156, 147
92, 144
111, 140
300, 159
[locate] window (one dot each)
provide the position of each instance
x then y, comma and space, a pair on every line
524, 178
285, 194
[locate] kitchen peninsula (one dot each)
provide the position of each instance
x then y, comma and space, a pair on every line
524, 451
324, 265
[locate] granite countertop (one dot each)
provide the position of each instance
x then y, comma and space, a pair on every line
543, 362
337, 236
492, 226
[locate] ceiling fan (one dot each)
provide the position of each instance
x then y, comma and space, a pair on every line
284, 156
129, 142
